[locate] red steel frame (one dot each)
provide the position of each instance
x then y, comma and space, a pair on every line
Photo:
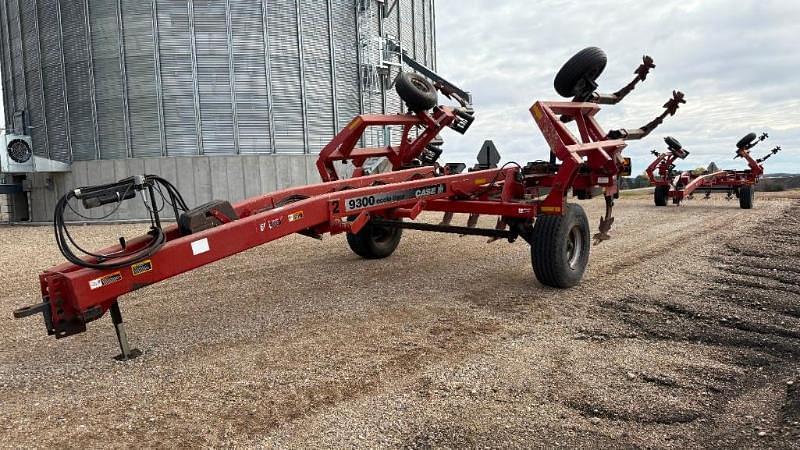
660, 170
683, 185
342, 147
75, 295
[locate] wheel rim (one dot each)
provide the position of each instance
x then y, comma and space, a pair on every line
420, 85
590, 75
381, 235
595, 72
574, 246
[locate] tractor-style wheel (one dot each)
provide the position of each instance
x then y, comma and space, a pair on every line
746, 197
747, 140
577, 75
374, 242
416, 91
661, 195
672, 143
560, 250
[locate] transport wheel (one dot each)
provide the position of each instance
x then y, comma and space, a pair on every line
661, 195
560, 250
374, 242
746, 197
747, 140
580, 71
416, 91
672, 142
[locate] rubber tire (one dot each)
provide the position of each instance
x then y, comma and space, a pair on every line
367, 245
589, 62
417, 92
747, 140
661, 195
746, 197
672, 142
549, 255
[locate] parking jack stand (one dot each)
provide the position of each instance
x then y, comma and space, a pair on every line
122, 336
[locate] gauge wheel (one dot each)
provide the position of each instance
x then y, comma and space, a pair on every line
578, 74
672, 143
746, 141
417, 92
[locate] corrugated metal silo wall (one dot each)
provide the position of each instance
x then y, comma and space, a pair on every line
133, 79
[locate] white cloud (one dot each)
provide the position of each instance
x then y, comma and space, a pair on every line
737, 62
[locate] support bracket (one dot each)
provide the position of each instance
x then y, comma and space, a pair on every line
126, 353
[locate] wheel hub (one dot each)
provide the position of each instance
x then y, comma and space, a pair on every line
574, 246
381, 234
420, 85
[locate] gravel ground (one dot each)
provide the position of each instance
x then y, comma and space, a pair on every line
684, 333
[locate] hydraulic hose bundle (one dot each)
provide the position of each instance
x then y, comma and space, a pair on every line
96, 196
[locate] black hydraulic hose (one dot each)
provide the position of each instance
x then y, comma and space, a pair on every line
290, 199
122, 258
175, 195
116, 261
496, 178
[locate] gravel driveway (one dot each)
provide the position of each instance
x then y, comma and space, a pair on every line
685, 332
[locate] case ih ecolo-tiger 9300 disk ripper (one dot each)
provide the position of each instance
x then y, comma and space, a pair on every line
679, 186
530, 201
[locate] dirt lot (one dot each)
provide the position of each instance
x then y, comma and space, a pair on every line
684, 333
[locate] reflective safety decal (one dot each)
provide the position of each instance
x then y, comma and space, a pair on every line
550, 209
537, 112
355, 123
200, 246
142, 267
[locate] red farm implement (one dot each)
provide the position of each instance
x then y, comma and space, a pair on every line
680, 186
372, 209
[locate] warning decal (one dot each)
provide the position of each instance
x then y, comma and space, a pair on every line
142, 267
105, 280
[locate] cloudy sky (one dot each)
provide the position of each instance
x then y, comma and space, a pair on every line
737, 61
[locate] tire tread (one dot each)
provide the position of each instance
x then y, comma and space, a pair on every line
547, 258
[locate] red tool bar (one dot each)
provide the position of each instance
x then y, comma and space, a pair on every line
79, 292
489, 207
704, 180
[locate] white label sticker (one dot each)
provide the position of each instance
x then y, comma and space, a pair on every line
200, 246
105, 280
602, 180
